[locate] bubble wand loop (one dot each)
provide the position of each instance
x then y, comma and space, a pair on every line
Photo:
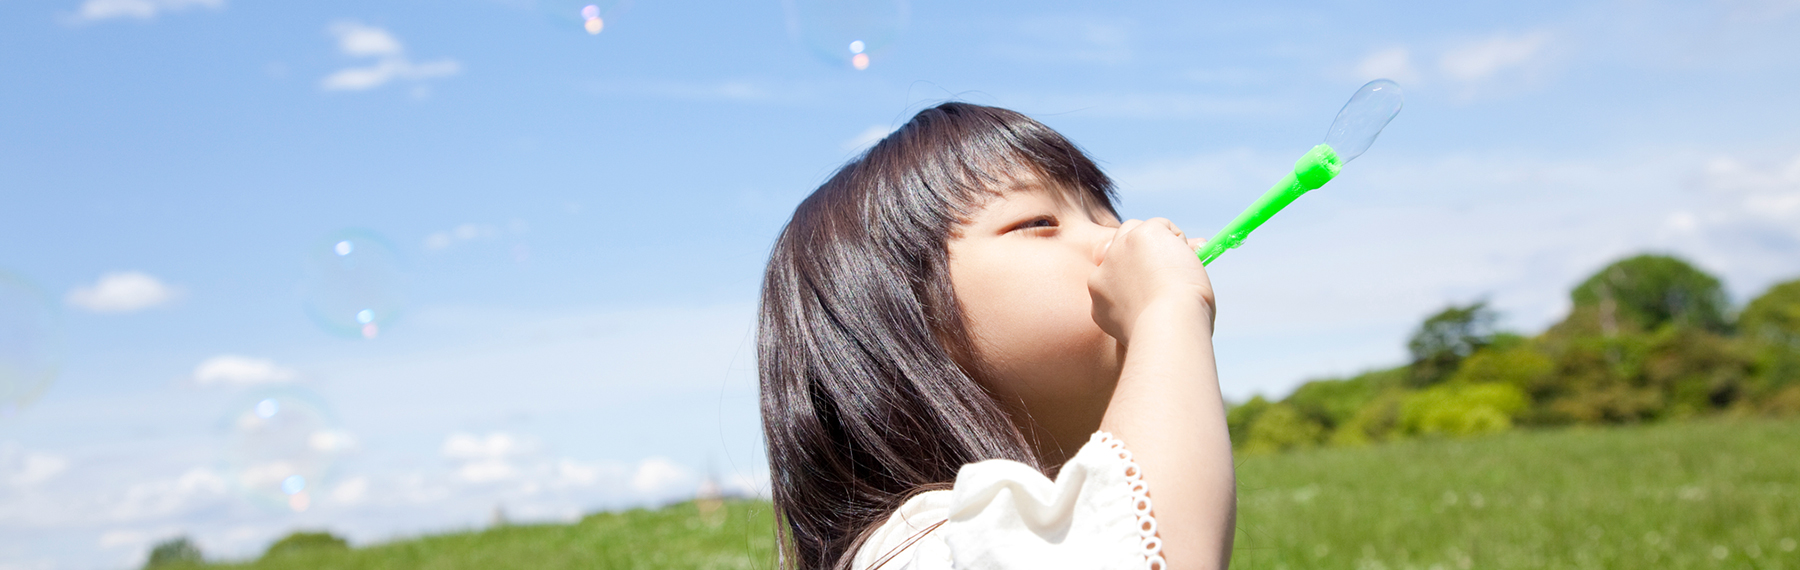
1355, 128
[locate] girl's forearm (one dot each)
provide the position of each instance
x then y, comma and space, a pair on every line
1168, 411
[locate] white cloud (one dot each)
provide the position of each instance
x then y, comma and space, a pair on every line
363, 41
733, 90
661, 476
463, 233
572, 473
1219, 172
125, 537
95, 10
158, 499
1484, 59
235, 370
1064, 39
358, 40
331, 441
22, 467
496, 445
1745, 216
352, 491
122, 292
868, 137
1393, 63
485, 459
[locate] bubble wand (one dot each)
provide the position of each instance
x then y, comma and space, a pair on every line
1368, 111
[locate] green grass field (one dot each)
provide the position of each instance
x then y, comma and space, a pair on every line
1702, 494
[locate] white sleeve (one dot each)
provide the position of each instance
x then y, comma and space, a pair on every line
1006, 515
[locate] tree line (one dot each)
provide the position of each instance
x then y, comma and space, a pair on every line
1649, 338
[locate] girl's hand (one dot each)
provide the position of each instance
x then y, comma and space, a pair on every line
1148, 267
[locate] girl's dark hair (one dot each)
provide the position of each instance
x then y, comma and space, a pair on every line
869, 385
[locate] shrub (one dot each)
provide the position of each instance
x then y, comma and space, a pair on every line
1281, 427
1520, 365
1239, 418
1333, 403
178, 551
1374, 422
1771, 324
1462, 409
301, 541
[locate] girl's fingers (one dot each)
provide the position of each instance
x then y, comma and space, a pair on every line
1124, 228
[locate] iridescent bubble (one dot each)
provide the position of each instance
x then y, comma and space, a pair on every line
29, 343
355, 284
282, 445
585, 16
846, 31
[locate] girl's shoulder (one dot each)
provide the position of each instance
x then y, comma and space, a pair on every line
1005, 514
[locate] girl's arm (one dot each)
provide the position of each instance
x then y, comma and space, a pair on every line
1152, 294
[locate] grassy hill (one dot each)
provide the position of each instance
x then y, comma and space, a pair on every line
1702, 494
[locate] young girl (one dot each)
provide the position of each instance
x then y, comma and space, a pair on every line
957, 316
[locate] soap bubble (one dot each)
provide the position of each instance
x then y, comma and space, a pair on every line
587, 17
29, 343
846, 31
282, 446
355, 285
1368, 111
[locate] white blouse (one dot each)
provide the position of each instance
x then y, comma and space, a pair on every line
1004, 514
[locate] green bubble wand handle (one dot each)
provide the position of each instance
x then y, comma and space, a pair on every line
1355, 128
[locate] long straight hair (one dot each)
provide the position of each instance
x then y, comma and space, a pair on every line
870, 388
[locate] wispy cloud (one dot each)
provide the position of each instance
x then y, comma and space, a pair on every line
121, 292
95, 10
235, 370
1471, 68
22, 467
472, 232
868, 137
660, 476
1486, 58
1068, 39
1745, 217
741, 90
358, 40
1392, 63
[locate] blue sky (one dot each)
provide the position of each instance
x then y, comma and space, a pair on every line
582, 220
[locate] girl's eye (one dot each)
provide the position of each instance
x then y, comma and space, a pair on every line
1039, 222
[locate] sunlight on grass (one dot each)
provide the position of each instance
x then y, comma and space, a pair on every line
1702, 494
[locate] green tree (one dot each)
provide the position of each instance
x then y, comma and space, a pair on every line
1771, 324
178, 551
300, 541
1442, 342
1648, 291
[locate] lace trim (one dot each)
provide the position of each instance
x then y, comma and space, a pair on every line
1149, 544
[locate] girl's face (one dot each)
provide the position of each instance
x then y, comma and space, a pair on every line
1020, 268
